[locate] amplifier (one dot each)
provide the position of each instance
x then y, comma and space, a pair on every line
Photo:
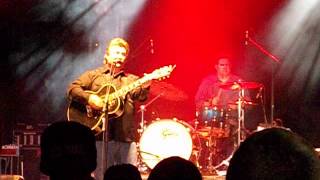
28, 138
28, 135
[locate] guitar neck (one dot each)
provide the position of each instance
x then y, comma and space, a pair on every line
124, 90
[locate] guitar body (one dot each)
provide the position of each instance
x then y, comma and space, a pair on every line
87, 116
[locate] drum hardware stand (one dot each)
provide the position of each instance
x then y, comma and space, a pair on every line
142, 167
196, 122
224, 162
142, 125
142, 121
197, 152
212, 147
240, 136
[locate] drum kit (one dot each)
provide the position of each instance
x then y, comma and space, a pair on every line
209, 142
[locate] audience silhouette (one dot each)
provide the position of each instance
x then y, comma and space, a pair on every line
68, 151
122, 172
174, 168
274, 153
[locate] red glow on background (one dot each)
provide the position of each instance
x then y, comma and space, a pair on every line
192, 35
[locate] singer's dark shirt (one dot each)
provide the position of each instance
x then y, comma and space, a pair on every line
122, 128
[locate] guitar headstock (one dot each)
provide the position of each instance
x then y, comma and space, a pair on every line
162, 73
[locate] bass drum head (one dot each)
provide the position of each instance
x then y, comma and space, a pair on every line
165, 138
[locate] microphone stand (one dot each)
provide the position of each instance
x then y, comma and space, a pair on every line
262, 100
105, 123
274, 59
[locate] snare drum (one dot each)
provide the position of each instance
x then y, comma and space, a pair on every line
214, 121
165, 138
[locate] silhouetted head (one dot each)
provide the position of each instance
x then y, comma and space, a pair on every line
68, 150
274, 153
174, 168
122, 172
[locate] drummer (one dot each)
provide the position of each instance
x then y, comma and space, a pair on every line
210, 93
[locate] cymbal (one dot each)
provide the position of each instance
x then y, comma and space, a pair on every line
240, 85
246, 102
167, 91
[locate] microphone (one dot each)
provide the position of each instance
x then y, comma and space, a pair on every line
259, 93
246, 33
151, 46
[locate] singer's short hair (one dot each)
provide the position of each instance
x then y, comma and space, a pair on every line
118, 42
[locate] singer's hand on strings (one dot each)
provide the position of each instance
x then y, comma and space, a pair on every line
95, 102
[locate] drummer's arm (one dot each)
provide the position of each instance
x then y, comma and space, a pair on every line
247, 97
216, 99
201, 95
201, 100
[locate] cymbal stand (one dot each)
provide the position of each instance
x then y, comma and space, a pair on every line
211, 144
196, 152
212, 147
240, 115
142, 121
142, 125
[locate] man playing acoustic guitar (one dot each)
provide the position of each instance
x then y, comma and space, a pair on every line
88, 92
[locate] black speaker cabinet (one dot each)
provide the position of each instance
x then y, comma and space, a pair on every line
27, 137
31, 163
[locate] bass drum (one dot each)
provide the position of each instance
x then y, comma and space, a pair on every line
165, 138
